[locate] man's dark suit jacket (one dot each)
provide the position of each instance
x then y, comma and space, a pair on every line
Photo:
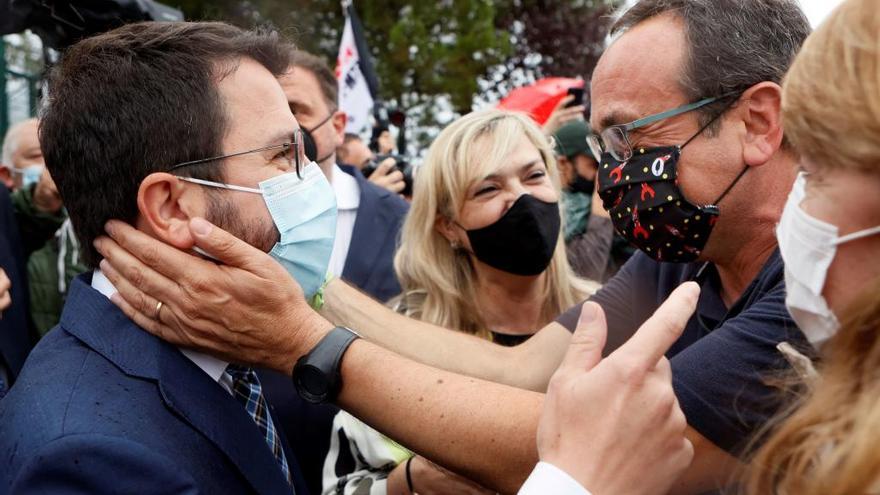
15, 338
370, 267
101, 406
370, 262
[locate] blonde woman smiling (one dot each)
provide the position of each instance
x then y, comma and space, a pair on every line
481, 252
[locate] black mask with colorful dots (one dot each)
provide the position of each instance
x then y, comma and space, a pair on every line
649, 209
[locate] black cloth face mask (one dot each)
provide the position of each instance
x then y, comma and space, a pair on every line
649, 209
582, 185
311, 147
522, 241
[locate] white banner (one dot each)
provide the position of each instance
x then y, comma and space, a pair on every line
354, 93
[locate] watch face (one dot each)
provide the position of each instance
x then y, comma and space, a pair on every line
312, 383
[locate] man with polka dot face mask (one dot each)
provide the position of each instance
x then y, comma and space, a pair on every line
640, 190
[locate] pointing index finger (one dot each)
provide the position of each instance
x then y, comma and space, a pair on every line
663, 328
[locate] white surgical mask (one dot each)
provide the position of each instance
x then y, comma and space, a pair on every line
808, 246
30, 174
304, 211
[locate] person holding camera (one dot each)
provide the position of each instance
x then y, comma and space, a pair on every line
383, 173
392, 173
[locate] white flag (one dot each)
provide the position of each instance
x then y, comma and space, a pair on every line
354, 93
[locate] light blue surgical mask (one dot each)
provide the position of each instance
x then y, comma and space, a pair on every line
30, 175
304, 211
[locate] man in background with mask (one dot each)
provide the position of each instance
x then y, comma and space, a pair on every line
23, 171
101, 406
50, 247
368, 222
588, 230
369, 216
693, 169
22, 161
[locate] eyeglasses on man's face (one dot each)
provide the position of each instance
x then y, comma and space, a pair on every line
615, 139
291, 152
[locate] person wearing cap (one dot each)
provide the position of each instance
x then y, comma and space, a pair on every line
588, 231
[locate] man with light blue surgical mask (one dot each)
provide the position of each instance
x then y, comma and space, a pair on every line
22, 161
23, 172
165, 124
301, 204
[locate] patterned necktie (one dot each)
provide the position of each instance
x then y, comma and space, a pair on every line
247, 390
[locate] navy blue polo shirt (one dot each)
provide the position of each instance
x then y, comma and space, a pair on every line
725, 362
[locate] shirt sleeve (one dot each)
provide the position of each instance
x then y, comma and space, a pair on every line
727, 382
547, 478
627, 300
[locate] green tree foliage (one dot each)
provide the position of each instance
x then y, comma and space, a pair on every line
435, 59
424, 48
551, 38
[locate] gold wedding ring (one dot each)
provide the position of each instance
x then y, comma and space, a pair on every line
158, 308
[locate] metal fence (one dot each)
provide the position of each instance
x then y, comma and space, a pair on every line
19, 98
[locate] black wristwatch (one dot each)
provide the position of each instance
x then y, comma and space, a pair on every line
316, 375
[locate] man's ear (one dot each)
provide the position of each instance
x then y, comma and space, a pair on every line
6, 177
166, 205
760, 108
339, 121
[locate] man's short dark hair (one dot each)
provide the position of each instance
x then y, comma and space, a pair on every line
326, 78
732, 44
135, 101
349, 137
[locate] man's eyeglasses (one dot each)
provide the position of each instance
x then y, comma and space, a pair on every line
615, 139
292, 151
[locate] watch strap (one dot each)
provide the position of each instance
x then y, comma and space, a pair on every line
316, 375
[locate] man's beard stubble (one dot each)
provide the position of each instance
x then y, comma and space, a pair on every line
223, 213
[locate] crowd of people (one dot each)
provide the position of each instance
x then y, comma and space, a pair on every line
203, 292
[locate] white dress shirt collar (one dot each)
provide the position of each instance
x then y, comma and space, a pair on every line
348, 194
348, 199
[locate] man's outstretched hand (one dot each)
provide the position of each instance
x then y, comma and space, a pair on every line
245, 309
614, 424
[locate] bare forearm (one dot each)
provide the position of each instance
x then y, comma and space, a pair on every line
712, 468
423, 342
482, 430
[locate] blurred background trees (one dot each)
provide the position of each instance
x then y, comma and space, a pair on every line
435, 59
439, 59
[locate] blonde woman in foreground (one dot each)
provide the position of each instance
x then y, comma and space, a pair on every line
829, 236
481, 252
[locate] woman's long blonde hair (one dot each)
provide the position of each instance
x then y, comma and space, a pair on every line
441, 276
831, 103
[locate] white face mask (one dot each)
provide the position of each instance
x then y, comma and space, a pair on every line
304, 211
808, 246
30, 175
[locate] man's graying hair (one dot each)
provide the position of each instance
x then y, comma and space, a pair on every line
733, 44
